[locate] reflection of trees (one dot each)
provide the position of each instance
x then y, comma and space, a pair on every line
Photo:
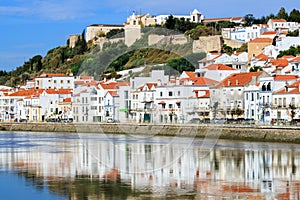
82, 187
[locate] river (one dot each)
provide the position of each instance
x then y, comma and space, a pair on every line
97, 166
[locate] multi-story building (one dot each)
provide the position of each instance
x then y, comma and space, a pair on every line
282, 25
227, 97
54, 81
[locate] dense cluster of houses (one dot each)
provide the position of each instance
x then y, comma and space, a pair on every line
220, 88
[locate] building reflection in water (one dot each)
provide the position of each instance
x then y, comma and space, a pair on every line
154, 167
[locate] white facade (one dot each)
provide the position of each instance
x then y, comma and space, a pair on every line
251, 105
54, 81
281, 24
243, 34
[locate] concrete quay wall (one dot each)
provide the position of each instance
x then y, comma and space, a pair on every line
231, 132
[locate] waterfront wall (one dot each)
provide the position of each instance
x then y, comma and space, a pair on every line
239, 132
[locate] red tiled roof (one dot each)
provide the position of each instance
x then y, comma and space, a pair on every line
280, 62
150, 85
190, 74
28, 92
269, 33
58, 91
262, 40
240, 79
50, 75
278, 20
285, 77
162, 102
297, 59
85, 77
262, 57
123, 83
113, 93
294, 89
287, 57
204, 81
109, 86
218, 67
67, 100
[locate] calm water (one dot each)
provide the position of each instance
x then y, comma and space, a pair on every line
89, 166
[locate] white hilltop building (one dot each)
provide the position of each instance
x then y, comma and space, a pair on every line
195, 17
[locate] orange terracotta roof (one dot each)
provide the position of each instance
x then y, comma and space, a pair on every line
297, 59
67, 100
109, 86
269, 33
218, 67
150, 85
91, 83
204, 81
79, 82
288, 57
239, 79
58, 91
190, 74
280, 62
294, 89
162, 102
262, 57
285, 77
262, 40
278, 20
50, 75
113, 93
28, 92
123, 83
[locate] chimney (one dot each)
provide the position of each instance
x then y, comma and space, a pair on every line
237, 82
228, 82
177, 81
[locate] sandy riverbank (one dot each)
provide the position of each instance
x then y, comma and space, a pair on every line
232, 132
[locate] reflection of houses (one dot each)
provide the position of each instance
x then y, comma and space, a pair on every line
229, 172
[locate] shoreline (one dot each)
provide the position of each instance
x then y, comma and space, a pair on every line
253, 133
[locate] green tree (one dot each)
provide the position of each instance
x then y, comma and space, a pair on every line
249, 19
282, 14
255, 69
294, 16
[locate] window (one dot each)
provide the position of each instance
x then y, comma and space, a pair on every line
161, 94
275, 101
170, 93
178, 93
68, 81
61, 81
126, 94
93, 98
93, 107
252, 112
284, 102
246, 96
163, 106
170, 106
252, 96
82, 99
293, 101
53, 81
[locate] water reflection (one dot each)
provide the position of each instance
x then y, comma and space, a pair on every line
122, 167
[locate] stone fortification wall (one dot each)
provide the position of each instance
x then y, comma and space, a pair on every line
163, 39
245, 133
233, 43
207, 44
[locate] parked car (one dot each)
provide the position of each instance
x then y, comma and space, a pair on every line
51, 120
111, 120
194, 121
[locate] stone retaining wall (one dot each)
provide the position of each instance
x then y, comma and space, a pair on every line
245, 133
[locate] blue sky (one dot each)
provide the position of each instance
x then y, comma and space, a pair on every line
31, 27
